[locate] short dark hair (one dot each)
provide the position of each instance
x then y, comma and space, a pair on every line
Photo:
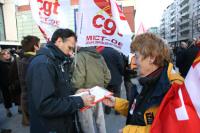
29, 42
63, 33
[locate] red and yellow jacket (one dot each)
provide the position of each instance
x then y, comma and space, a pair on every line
122, 105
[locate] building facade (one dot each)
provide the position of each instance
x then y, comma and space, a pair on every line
154, 30
8, 27
181, 21
128, 7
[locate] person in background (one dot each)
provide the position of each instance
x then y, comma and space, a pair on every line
115, 63
156, 76
180, 58
51, 104
90, 71
130, 73
5, 65
189, 56
30, 44
14, 83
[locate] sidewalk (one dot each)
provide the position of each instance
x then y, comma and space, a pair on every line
14, 122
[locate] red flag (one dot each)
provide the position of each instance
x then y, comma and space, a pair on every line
179, 111
141, 29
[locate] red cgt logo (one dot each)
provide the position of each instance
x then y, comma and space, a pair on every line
104, 5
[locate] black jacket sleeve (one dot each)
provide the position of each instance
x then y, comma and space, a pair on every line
43, 93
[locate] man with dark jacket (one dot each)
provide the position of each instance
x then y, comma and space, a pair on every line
180, 57
52, 109
187, 58
30, 44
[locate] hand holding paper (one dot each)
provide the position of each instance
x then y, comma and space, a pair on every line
88, 100
99, 94
109, 101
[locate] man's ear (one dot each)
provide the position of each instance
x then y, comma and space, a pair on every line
58, 41
36, 48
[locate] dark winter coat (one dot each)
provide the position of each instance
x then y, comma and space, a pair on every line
187, 59
115, 63
180, 57
14, 83
22, 69
4, 83
4, 73
48, 81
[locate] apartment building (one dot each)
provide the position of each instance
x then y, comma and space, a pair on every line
153, 30
128, 7
181, 21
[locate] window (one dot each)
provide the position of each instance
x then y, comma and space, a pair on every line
2, 31
198, 23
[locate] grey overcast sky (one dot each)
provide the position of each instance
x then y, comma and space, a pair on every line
149, 12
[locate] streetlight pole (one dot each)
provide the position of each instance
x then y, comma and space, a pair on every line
192, 24
177, 32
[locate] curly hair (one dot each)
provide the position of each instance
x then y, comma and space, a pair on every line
149, 44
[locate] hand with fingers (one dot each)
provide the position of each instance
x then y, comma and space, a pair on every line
88, 100
109, 101
82, 90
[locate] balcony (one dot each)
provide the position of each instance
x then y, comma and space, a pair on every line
162, 31
173, 29
162, 26
172, 12
185, 22
183, 2
185, 15
172, 18
184, 8
172, 23
185, 30
184, 37
173, 34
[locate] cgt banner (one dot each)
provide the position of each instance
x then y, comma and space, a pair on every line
50, 15
102, 23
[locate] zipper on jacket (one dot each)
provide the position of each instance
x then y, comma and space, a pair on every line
132, 107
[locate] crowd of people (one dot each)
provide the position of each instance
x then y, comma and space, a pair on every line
41, 82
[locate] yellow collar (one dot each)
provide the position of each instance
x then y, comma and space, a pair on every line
29, 53
173, 75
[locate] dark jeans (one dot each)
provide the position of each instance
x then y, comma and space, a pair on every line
6, 97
